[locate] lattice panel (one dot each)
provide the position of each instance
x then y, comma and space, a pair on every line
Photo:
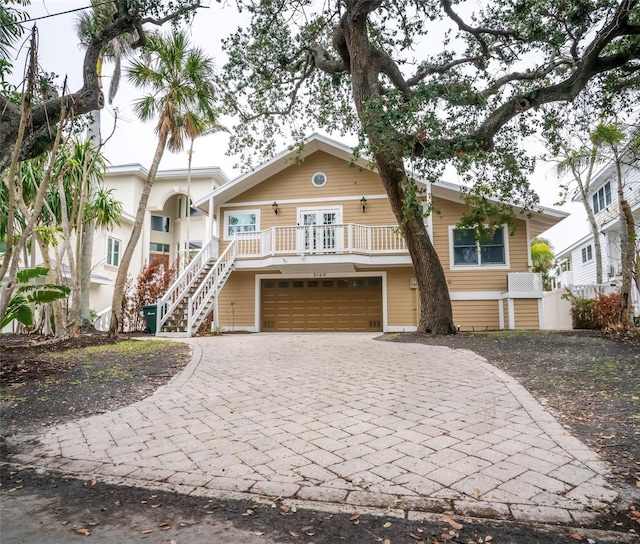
525, 281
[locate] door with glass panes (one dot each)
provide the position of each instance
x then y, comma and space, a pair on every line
319, 231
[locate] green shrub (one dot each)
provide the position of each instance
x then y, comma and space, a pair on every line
594, 313
582, 312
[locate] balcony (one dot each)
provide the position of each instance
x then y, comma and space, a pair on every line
337, 239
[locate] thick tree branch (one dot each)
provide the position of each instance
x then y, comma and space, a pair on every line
42, 129
478, 32
566, 90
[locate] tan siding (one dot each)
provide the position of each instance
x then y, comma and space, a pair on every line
449, 214
294, 182
236, 305
476, 314
526, 313
402, 300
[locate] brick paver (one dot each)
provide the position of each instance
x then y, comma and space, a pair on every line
340, 418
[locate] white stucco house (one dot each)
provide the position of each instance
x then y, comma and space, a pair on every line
172, 227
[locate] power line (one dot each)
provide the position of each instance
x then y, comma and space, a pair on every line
55, 14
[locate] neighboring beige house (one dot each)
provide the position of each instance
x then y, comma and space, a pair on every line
308, 242
169, 222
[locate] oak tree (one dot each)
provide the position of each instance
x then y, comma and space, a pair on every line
425, 84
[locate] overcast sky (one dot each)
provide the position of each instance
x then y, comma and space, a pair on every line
134, 142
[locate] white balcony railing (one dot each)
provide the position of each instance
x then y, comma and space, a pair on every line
321, 239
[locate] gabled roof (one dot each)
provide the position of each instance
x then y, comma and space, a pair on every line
281, 161
541, 220
566, 253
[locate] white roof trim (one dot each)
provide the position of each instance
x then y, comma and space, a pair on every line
546, 217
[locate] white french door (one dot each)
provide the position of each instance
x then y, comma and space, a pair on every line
318, 232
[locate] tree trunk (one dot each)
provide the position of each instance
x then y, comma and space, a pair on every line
85, 258
85, 262
436, 315
627, 249
597, 246
123, 268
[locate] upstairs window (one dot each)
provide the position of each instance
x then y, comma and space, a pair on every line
587, 254
159, 223
240, 221
467, 251
113, 251
602, 198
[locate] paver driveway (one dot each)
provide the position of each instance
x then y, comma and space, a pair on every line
341, 418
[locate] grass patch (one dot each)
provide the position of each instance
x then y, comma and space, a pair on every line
606, 368
10, 397
127, 348
113, 372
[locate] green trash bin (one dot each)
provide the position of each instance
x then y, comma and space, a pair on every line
150, 311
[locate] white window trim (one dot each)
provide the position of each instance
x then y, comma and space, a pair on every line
604, 196
151, 229
459, 267
330, 209
227, 213
587, 257
106, 251
326, 178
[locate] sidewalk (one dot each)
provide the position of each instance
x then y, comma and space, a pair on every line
335, 422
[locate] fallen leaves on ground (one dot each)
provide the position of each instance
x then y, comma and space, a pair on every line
453, 523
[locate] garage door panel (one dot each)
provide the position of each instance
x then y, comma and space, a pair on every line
343, 304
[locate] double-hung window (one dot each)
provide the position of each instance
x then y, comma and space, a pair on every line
587, 254
240, 221
602, 198
468, 251
113, 251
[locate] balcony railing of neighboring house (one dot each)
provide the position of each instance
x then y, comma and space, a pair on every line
615, 270
593, 290
346, 238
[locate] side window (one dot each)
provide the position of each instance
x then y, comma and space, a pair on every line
587, 254
467, 251
240, 221
159, 223
602, 198
113, 251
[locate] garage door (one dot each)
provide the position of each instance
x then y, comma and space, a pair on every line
346, 304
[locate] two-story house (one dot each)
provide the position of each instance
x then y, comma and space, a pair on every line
172, 227
308, 242
577, 263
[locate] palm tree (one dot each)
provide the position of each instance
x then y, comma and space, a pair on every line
87, 24
181, 96
542, 259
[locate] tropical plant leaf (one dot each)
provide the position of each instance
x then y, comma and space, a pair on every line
19, 310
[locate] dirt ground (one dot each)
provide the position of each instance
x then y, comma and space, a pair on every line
590, 381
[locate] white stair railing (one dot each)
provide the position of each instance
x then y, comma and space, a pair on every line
167, 304
103, 319
210, 286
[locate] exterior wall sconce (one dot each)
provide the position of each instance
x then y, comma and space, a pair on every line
363, 204
275, 208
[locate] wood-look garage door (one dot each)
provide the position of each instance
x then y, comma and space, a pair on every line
349, 304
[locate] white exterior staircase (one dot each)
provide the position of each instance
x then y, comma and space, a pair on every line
192, 296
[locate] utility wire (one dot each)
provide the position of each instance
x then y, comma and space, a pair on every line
55, 14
